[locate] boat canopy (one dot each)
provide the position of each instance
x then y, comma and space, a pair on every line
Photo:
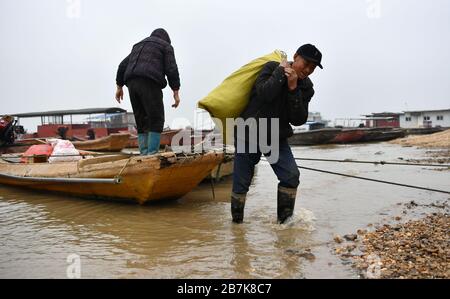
110, 110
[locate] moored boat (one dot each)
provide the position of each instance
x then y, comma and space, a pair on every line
137, 178
423, 131
373, 134
314, 137
167, 136
112, 143
349, 136
20, 146
389, 135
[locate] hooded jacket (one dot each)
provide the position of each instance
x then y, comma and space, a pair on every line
151, 58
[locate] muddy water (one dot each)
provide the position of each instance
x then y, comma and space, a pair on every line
194, 237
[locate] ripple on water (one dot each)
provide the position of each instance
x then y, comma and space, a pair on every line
302, 219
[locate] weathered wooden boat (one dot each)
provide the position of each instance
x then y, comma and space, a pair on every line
423, 131
314, 137
137, 178
167, 136
349, 136
372, 134
20, 146
369, 134
389, 135
112, 143
132, 142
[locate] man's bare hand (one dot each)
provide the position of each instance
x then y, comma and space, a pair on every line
176, 97
284, 63
119, 94
292, 77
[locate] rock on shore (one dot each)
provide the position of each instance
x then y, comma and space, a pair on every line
415, 249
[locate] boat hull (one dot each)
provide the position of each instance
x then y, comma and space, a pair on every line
166, 138
349, 136
142, 178
111, 143
114, 143
423, 131
314, 137
390, 135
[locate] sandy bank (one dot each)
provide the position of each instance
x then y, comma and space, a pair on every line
436, 140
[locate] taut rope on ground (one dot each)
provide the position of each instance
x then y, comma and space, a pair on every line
374, 180
373, 162
371, 180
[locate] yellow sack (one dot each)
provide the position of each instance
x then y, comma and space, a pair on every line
230, 98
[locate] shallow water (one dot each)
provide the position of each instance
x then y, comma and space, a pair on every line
193, 237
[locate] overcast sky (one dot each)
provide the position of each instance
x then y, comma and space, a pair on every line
378, 55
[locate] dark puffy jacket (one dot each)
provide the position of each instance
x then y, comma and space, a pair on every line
271, 98
151, 58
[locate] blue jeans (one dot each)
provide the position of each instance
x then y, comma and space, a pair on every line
285, 169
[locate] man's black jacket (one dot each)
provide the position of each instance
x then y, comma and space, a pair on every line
151, 58
271, 98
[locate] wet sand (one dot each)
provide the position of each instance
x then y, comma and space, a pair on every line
193, 237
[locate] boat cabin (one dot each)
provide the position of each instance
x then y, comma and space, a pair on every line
99, 122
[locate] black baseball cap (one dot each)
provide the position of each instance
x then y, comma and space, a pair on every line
311, 53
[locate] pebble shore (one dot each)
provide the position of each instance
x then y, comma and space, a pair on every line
415, 249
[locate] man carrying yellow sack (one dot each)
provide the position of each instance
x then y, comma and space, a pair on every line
279, 98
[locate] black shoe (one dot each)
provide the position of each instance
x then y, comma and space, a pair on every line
237, 207
286, 203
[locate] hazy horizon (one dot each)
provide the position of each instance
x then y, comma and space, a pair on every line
378, 55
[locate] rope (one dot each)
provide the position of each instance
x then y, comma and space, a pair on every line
373, 162
372, 180
212, 188
123, 168
218, 172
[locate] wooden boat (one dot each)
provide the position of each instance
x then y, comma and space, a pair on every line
20, 146
372, 134
132, 142
112, 143
349, 136
423, 131
389, 135
137, 178
314, 137
166, 138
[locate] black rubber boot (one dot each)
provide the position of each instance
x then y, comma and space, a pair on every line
286, 203
237, 207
